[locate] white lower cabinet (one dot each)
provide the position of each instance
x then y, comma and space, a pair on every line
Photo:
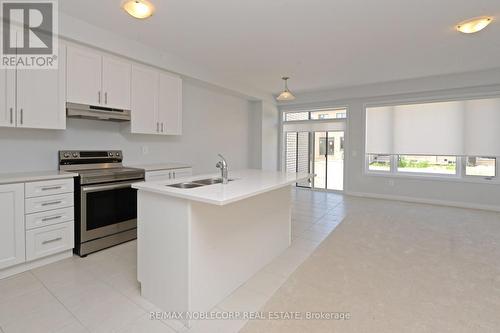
36, 221
12, 250
160, 175
44, 241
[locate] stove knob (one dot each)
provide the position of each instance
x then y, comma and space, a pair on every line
75, 155
117, 154
66, 155
110, 154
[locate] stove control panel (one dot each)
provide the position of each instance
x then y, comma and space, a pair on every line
71, 157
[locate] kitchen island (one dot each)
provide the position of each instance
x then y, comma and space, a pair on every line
197, 245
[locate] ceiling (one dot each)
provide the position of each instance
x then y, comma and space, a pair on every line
321, 44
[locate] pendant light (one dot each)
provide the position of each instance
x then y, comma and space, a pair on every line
286, 95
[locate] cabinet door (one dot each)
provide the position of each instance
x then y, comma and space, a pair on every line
170, 104
144, 100
41, 96
83, 78
7, 98
116, 83
12, 249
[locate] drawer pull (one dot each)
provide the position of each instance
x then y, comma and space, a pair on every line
51, 218
51, 188
51, 240
52, 203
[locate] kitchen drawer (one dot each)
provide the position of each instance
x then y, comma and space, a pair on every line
49, 187
51, 202
50, 217
182, 173
42, 242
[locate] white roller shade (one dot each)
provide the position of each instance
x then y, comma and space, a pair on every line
429, 129
461, 128
482, 127
379, 130
315, 126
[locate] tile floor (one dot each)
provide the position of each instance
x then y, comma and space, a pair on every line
100, 293
398, 267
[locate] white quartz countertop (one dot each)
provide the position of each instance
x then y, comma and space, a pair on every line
26, 177
159, 166
247, 183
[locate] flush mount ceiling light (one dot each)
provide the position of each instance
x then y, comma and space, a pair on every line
140, 9
474, 25
286, 95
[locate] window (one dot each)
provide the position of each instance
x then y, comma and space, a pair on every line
294, 116
480, 166
379, 162
315, 115
329, 114
454, 139
428, 164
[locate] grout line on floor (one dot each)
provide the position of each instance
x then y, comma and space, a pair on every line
58, 300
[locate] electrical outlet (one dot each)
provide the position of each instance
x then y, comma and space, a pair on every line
145, 150
391, 182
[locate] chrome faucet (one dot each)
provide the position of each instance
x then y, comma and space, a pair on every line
222, 165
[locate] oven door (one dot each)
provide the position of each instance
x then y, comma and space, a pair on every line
107, 209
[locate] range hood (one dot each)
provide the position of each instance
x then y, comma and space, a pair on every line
74, 110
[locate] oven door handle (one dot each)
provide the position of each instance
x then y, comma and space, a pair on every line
88, 189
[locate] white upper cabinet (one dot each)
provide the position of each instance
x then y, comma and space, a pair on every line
84, 69
156, 103
7, 98
116, 83
34, 98
170, 104
12, 233
97, 79
41, 96
144, 100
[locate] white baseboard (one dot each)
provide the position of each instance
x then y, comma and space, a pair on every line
34, 264
424, 201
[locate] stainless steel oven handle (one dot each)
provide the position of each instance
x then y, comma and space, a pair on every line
93, 188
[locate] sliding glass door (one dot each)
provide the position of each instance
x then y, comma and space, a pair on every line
321, 153
328, 160
314, 143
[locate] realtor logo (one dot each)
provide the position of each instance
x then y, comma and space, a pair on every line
29, 34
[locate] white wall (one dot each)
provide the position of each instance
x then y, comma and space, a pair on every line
264, 138
213, 122
427, 89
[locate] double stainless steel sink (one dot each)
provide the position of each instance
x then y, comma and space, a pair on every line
198, 183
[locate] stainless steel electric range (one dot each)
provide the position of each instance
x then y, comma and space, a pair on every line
105, 202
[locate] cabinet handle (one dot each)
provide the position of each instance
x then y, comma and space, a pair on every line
169, 175
51, 218
51, 188
11, 115
21, 117
157, 126
99, 97
52, 240
162, 127
106, 97
52, 203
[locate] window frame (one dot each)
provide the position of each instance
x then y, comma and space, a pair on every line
311, 111
461, 162
475, 177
